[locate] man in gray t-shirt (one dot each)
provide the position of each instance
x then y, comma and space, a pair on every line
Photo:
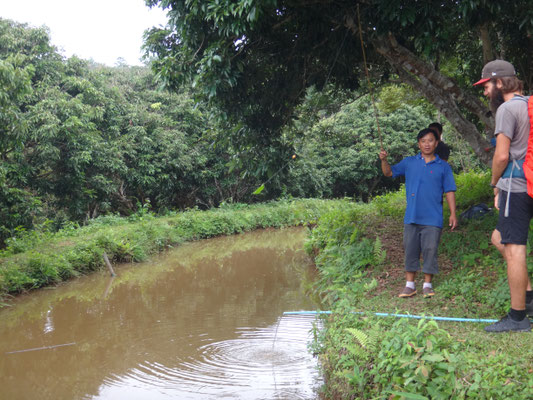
513, 122
504, 91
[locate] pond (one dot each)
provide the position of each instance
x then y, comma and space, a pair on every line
202, 321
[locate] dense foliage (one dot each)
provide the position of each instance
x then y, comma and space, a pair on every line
256, 58
79, 140
339, 152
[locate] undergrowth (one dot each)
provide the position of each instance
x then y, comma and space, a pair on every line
40, 258
364, 356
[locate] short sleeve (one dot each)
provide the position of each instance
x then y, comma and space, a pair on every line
448, 184
505, 122
399, 169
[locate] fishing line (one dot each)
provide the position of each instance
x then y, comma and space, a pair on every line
41, 348
379, 314
336, 57
370, 87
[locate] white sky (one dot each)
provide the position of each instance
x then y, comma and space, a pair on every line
101, 30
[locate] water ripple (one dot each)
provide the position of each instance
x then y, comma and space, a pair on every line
261, 363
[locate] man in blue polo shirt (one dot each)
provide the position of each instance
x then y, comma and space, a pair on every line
427, 178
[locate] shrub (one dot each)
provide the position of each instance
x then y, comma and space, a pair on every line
367, 357
420, 360
39, 258
473, 188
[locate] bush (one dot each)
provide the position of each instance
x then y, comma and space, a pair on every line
39, 258
418, 360
473, 188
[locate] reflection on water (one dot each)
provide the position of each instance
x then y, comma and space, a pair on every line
203, 321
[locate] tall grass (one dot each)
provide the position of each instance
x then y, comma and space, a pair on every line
40, 258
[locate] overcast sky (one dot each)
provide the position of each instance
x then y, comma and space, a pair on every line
102, 30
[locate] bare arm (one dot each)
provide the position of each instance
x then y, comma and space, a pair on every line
450, 199
499, 163
385, 166
500, 158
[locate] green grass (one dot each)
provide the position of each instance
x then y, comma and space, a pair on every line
357, 250
41, 258
360, 261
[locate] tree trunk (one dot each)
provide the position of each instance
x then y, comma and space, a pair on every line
488, 54
442, 92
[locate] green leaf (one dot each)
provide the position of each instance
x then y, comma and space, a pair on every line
259, 189
433, 358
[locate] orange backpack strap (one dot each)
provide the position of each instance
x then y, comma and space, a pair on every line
528, 163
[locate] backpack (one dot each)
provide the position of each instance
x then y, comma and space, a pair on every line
528, 162
475, 212
522, 168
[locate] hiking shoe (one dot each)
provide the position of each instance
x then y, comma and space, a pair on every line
407, 292
529, 309
428, 292
506, 324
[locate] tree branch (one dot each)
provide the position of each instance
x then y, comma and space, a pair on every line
441, 91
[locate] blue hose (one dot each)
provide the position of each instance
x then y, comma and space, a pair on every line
399, 316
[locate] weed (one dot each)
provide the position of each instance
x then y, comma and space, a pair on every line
41, 257
367, 357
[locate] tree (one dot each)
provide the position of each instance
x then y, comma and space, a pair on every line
337, 156
79, 139
255, 58
17, 203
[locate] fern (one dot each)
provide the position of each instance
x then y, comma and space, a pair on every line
379, 253
367, 340
361, 336
365, 346
357, 353
354, 235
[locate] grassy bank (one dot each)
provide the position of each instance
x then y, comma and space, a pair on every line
40, 258
360, 259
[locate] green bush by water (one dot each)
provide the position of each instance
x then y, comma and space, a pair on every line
39, 258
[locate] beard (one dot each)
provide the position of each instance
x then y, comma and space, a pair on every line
496, 99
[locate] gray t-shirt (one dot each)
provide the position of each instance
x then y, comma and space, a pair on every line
512, 121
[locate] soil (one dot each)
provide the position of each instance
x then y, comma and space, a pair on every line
391, 276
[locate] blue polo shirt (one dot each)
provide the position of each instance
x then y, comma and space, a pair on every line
425, 185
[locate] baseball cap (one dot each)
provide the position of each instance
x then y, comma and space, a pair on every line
496, 69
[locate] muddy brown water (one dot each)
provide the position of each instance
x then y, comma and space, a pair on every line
203, 321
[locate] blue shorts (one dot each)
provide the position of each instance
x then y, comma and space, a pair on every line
421, 240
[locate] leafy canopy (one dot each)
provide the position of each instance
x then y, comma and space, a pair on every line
256, 58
